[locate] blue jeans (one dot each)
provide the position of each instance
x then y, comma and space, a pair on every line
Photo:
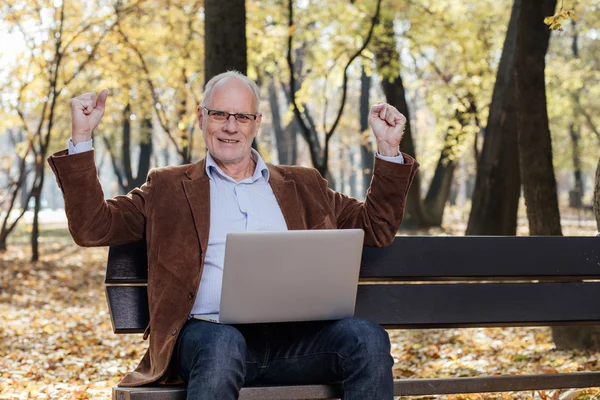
216, 361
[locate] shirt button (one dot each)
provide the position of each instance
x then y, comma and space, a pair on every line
174, 332
190, 295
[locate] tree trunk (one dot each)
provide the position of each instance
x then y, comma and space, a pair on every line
126, 149
576, 194
185, 133
496, 195
37, 196
366, 149
40, 163
441, 184
393, 88
224, 37
285, 137
439, 188
145, 154
597, 197
354, 172
7, 228
535, 145
342, 153
291, 133
19, 186
123, 171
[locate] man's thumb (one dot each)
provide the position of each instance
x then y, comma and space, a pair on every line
101, 101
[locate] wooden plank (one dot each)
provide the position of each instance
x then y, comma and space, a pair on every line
476, 305
149, 393
128, 307
490, 257
322, 392
489, 384
402, 387
410, 306
127, 263
436, 258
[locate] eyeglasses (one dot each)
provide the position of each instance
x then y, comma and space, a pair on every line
223, 116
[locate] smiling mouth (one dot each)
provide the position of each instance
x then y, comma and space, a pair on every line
228, 141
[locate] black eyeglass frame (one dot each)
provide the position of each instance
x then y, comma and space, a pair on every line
251, 116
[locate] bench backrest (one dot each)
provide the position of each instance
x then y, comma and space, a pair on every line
431, 282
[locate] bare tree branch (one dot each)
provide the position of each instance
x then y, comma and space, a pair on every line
374, 21
587, 116
304, 130
113, 160
161, 114
321, 164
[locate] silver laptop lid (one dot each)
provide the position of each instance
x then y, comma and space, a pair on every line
290, 275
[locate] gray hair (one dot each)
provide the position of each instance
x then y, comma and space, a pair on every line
230, 74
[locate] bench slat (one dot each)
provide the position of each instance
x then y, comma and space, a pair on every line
436, 258
402, 387
489, 384
128, 307
303, 392
478, 305
441, 305
127, 263
490, 257
149, 393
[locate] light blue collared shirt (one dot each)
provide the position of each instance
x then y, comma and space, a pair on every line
245, 206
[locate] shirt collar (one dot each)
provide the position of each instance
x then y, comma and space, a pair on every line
261, 169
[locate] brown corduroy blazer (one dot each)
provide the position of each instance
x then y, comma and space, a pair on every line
171, 211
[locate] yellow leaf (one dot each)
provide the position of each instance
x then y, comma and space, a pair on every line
548, 20
571, 14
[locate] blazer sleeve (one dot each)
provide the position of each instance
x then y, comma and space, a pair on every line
380, 214
94, 221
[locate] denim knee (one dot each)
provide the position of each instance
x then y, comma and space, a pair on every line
366, 337
367, 369
220, 349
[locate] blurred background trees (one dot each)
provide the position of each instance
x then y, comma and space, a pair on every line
490, 91
498, 104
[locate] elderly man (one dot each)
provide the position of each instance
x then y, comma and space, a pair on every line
184, 213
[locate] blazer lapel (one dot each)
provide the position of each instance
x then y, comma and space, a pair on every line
197, 191
287, 197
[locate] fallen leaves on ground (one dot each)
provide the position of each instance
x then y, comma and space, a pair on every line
438, 353
56, 339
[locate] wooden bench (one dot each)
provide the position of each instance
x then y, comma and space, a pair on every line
425, 282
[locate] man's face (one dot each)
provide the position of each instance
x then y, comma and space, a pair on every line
229, 141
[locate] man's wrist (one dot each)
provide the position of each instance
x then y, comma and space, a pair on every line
80, 138
388, 150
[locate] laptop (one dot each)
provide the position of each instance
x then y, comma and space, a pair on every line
290, 276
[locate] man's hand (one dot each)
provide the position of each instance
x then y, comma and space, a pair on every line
86, 112
387, 125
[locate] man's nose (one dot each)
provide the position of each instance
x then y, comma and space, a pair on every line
231, 124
